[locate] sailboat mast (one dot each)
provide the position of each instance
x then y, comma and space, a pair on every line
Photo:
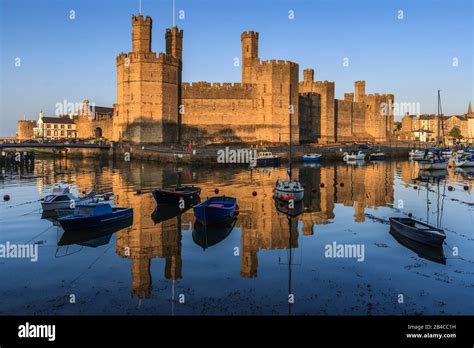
289, 111
437, 124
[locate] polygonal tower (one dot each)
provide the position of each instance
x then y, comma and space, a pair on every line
250, 60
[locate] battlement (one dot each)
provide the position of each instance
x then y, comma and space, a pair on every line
137, 20
249, 34
170, 31
317, 83
380, 96
27, 122
146, 56
278, 63
218, 90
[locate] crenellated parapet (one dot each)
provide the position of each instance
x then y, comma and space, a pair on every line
218, 90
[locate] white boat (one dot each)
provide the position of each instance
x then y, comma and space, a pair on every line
464, 161
288, 190
61, 198
416, 155
447, 153
353, 156
436, 162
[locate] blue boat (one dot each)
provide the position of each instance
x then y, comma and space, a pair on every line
94, 215
418, 231
215, 210
312, 157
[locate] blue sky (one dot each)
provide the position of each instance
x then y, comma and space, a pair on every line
64, 59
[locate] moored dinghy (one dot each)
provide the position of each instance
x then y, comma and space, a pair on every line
418, 231
173, 196
312, 157
94, 215
215, 209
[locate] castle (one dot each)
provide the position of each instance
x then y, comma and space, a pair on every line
154, 105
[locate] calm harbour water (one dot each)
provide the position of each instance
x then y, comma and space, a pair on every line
151, 268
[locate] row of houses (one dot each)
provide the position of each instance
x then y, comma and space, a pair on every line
88, 122
428, 127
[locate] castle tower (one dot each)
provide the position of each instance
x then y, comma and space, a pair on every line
174, 43
250, 60
469, 108
141, 34
148, 89
359, 91
308, 75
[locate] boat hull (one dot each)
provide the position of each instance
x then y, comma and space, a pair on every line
71, 223
64, 204
433, 165
431, 236
267, 162
288, 195
211, 211
312, 159
174, 196
464, 163
207, 236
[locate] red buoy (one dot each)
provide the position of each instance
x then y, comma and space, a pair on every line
321, 185
254, 193
139, 192
415, 187
450, 188
466, 187
341, 184
216, 191
410, 215
6, 198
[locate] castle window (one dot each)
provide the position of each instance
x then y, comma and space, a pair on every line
264, 88
62, 126
247, 48
48, 126
55, 126
62, 133
48, 133
281, 88
233, 106
214, 106
68, 126
263, 102
55, 133
280, 104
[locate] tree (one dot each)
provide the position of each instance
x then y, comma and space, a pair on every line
455, 133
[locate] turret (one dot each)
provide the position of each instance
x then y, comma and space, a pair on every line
141, 34
174, 43
359, 91
249, 41
308, 75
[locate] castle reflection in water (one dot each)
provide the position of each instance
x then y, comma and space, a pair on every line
262, 226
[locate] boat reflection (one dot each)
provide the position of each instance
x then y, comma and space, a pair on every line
207, 236
292, 210
94, 237
431, 253
165, 212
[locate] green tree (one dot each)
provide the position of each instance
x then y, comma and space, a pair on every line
455, 133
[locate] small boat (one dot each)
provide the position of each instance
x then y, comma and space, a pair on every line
215, 209
312, 157
377, 156
418, 231
266, 159
464, 160
353, 156
61, 198
207, 236
433, 161
94, 215
173, 196
416, 155
287, 190
447, 153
